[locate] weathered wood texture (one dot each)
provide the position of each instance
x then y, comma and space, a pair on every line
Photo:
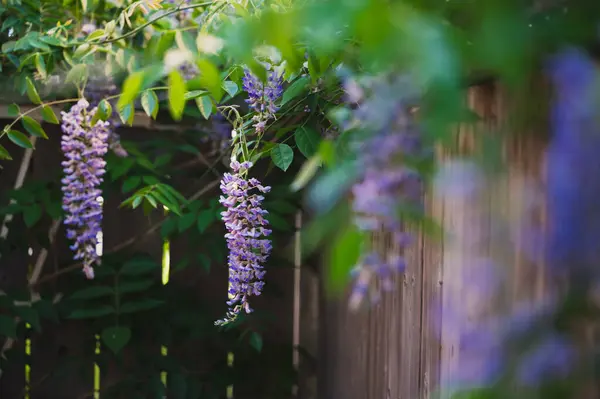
405, 347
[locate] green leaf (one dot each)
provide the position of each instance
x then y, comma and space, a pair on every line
77, 74
186, 221
131, 89
205, 106
256, 341
131, 183
191, 95
205, 219
210, 79
307, 141
40, 66
19, 139
230, 87
176, 93
343, 257
103, 112
295, 89
49, 116
136, 202
98, 33
92, 292
8, 326
150, 103
92, 313
135, 286
84, 5
13, 110
33, 127
4, 154
83, 50
139, 266
115, 338
145, 304
29, 315
127, 114
282, 156
32, 214
306, 173
32, 92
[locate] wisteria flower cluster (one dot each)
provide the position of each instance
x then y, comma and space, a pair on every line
246, 231
100, 87
84, 147
262, 97
387, 184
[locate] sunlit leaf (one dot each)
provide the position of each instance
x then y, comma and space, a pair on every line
344, 255
176, 94
150, 103
32, 91
205, 106
230, 87
210, 79
306, 173
131, 89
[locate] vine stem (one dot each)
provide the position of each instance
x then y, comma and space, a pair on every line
139, 28
25, 113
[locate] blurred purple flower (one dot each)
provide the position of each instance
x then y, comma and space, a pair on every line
573, 186
84, 147
387, 182
551, 358
246, 226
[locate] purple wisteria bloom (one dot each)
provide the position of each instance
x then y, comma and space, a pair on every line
388, 182
262, 97
246, 231
84, 147
573, 164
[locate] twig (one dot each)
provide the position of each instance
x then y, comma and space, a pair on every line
130, 241
139, 28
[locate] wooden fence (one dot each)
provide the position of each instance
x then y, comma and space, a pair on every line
395, 349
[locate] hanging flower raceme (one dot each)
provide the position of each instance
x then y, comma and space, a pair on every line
246, 231
262, 97
84, 147
388, 184
99, 88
